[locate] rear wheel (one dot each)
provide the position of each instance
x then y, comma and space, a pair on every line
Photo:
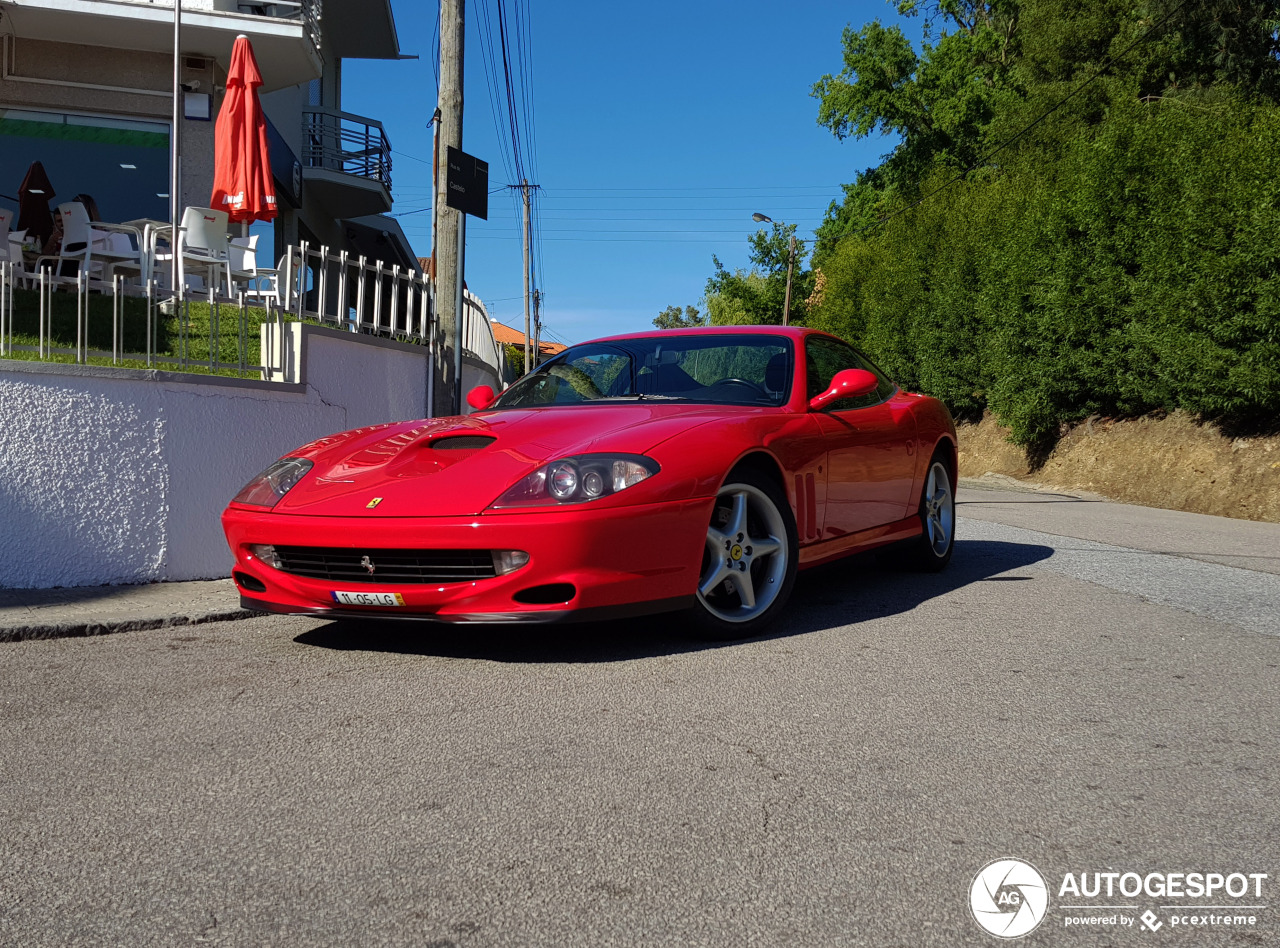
932, 550
749, 562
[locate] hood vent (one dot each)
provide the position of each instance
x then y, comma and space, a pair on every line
463, 442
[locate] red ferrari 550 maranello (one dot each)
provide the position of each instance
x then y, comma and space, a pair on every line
692, 469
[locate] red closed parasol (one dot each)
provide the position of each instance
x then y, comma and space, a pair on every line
33, 203
242, 183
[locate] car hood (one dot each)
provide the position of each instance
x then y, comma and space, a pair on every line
458, 466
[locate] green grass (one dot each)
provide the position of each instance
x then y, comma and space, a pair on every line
188, 336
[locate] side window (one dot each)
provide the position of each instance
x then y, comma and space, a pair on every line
585, 378
599, 371
589, 375
825, 357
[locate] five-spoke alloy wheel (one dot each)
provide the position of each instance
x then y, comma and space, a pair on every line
749, 564
937, 520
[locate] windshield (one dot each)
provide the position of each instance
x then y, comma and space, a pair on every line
722, 370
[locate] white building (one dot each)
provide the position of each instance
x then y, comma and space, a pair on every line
86, 89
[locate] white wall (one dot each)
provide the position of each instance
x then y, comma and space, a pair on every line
119, 476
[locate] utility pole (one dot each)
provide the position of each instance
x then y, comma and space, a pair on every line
448, 220
537, 324
528, 364
791, 260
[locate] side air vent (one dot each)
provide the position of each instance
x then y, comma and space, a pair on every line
251, 583
463, 442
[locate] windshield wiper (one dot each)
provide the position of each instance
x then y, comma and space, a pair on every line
642, 398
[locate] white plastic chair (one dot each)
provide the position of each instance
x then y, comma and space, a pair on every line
6, 218
242, 259
202, 246
21, 275
261, 283
11, 249
95, 247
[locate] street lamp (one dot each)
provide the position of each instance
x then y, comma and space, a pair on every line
791, 259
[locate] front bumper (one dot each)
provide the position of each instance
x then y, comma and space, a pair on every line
619, 561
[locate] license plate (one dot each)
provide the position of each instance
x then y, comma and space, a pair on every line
367, 599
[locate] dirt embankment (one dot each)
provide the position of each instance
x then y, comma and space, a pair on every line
1166, 461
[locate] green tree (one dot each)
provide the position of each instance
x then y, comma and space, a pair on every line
674, 318
515, 360
938, 101
1078, 216
757, 296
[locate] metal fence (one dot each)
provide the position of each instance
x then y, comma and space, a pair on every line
310, 12
202, 330
352, 293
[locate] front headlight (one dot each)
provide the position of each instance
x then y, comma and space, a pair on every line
267, 488
575, 480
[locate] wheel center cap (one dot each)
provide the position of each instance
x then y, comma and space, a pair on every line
736, 551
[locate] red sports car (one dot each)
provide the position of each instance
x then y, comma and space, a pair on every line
692, 470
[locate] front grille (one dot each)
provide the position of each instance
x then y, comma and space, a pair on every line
389, 566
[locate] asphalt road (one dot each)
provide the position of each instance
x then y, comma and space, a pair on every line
1089, 687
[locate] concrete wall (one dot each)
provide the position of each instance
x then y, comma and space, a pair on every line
119, 476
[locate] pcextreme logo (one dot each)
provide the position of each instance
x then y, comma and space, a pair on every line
1010, 898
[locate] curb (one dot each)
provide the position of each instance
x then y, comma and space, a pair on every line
65, 630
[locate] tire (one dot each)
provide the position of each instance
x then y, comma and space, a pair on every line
931, 551
749, 562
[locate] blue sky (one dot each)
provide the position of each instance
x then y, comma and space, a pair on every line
658, 129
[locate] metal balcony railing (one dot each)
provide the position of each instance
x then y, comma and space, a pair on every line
308, 11
352, 144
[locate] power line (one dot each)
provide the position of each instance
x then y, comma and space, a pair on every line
745, 214
435, 48
614, 240
740, 198
425, 161
489, 60
752, 187
507, 80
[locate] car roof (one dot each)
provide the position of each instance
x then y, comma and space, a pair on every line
792, 332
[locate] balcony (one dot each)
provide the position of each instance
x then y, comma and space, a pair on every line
285, 34
346, 163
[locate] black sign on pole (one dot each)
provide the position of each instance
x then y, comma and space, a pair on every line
467, 183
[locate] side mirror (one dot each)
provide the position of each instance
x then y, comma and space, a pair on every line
481, 397
848, 383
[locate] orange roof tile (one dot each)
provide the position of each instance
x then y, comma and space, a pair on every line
505, 334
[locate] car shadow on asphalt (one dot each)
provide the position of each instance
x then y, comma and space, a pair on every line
864, 587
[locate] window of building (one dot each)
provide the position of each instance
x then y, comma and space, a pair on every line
122, 163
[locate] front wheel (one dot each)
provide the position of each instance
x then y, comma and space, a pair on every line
749, 562
932, 550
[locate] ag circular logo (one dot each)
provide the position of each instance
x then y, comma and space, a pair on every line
1009, 898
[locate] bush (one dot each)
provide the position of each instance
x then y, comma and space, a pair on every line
1138, 272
